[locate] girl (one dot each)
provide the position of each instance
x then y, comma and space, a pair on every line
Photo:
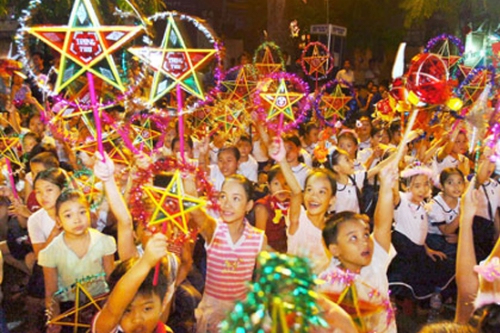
443, 212
42, 227
270, 211
294, 159
348, 141
452, 155
362, 258
409, 237
78, 254
350, 183
232, 247
306, 222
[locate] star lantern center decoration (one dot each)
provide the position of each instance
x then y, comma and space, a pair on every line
174, 63
281, 102
172, 204
85, 45
145, 136
334, 104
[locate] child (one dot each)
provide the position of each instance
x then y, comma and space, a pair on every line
348, 141
42, 225
350, 183
270, 211
79, 253
452, 155
38, 163
409, 236
310, 137
293, 158
306, 223
232, 248
443, 212
135, 304
228, 159
248, 166
363, 257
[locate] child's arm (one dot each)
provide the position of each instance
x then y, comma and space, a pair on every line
126, 288
448, 147
384, 211
277, 152
261, 216
108, 263
467, 280
51, 304
376, 169
125, 243
205, 222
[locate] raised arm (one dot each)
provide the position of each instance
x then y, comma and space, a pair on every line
384, 211
467, 280
278, 153
126, 288
104, 170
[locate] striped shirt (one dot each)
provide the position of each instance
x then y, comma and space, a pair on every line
230, 265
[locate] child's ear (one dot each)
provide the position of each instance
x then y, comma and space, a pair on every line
249, 206
334, 250
331, 204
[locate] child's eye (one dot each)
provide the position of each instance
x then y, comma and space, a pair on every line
148, 308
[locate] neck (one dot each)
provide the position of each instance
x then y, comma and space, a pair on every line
294, 163
317, 220
236, 230
342, 178
72, 237
450, 201
355, 270
52, 213
244, 158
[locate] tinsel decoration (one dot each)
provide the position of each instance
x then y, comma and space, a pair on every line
281, 300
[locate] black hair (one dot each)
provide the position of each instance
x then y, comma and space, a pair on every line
328, 174
32, 135
245, 138
348, 135
490, 318
243, 181
310, 126
232, 149
290, 137
69, 195
273, 172
446, 327
331, 229
147, 287
54, 176
447, 172
187, 140
395, 126
48, 159
334, 158
376, 129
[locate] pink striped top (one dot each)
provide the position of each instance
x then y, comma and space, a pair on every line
230, 266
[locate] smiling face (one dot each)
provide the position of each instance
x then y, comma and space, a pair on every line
46, 193
142, 314
354, 245
74, 217
279, 187
349, 146
318, 195
344, 166
233, 201
460, 145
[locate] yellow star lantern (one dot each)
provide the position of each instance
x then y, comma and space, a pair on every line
281, 102
334, 104
476, 86
80, 317
243, 86
316, 62
85, 45
113, 145
144, 136
172, 204
231, 116
8, 147
173, 63
267, 65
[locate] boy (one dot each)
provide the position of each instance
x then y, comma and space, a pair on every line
135, 304
248, 166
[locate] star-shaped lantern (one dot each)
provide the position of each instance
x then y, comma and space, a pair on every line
281, 102
449, 59
230, 116
172, 204
8, 148
266, 65
85, 45
113, 145
144, 136
316, 64
476, 85
243, 86
174, 63
334, 104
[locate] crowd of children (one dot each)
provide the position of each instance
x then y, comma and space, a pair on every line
381, 234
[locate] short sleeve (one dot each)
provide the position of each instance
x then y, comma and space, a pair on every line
436, 214
48, 256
